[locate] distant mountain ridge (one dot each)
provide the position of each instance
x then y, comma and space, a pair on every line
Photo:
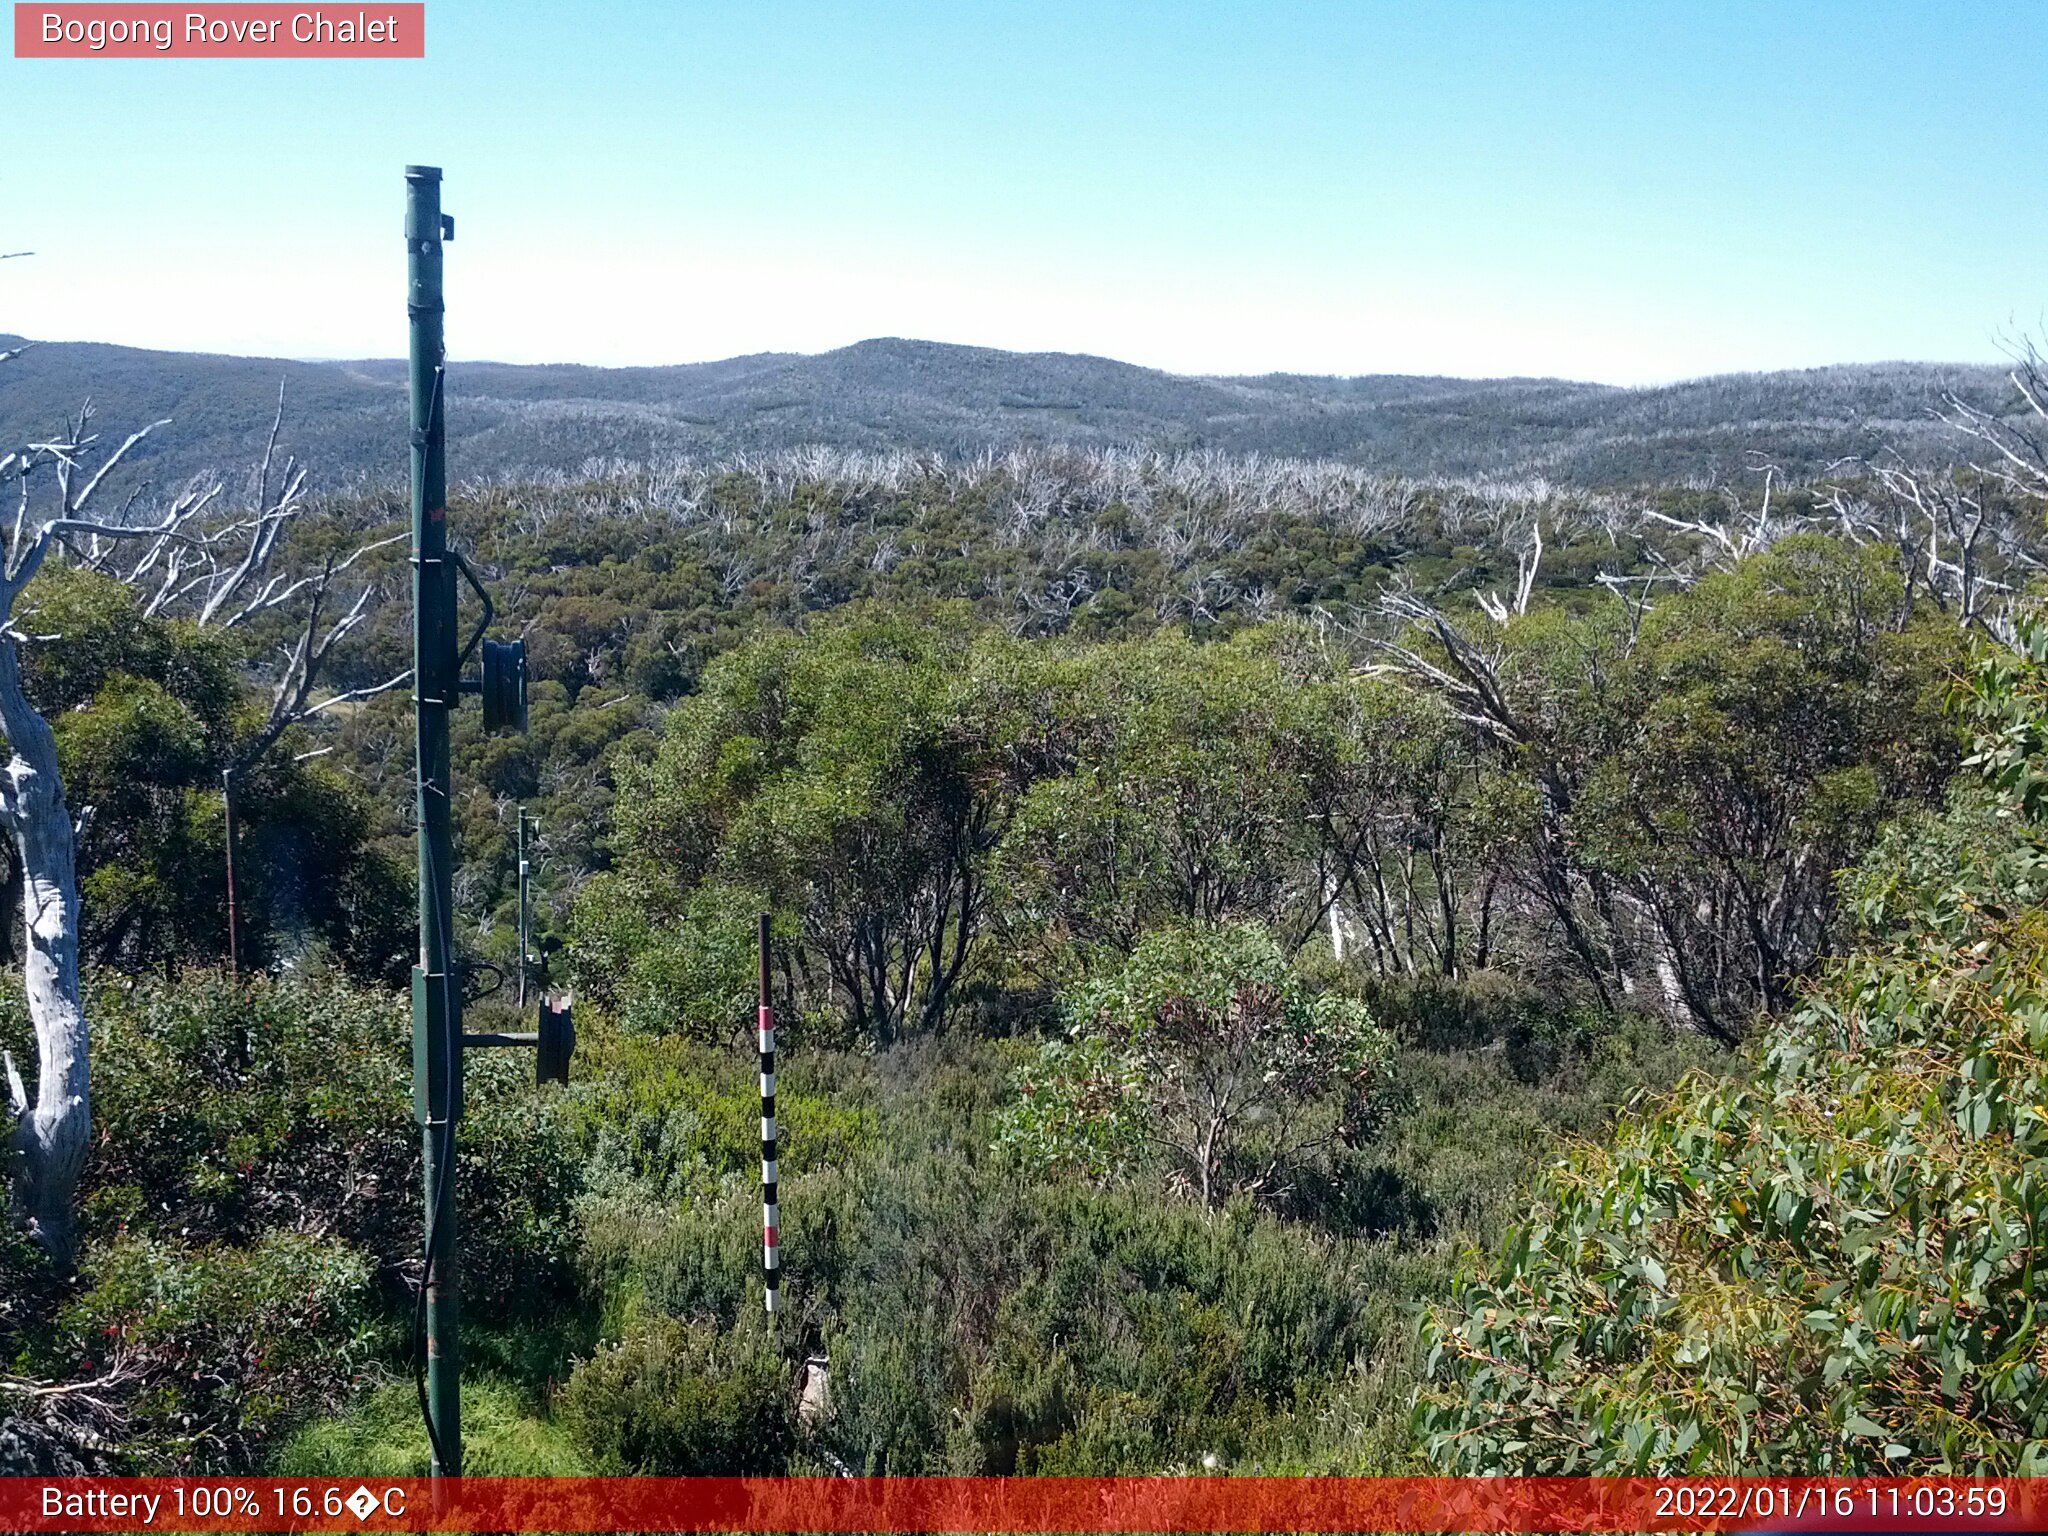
347, 419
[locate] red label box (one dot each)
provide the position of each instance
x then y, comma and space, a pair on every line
372, 30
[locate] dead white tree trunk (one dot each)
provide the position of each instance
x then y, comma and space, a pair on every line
50, 1130
1528, 562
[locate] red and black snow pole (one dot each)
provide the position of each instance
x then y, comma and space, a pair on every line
771, 1251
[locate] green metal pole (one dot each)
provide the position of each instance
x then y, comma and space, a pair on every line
436, 1000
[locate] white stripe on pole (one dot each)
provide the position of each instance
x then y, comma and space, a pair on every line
771, 1250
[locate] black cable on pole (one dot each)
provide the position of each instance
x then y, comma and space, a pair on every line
444, 1168
419, 1307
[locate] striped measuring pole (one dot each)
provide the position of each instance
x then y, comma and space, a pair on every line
771, 1248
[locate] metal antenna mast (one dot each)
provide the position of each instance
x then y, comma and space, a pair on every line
437, 683
436, 999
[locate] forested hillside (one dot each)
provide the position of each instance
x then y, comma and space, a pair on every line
347, 418
1217, 903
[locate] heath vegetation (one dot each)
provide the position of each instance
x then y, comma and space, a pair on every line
1284, 966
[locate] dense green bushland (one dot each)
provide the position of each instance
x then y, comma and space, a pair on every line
1830, 1268
1206, 1055
943, 815
982, 1316
243, 1296
629, 585
1199, 920
147, 713
251, 1216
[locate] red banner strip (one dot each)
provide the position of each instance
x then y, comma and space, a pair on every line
999, 1504
374, 30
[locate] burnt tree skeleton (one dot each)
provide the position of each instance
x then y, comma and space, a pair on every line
1472, 680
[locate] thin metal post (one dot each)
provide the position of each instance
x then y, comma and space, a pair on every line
437, 1000
771, 1237
245, 1053
227, 806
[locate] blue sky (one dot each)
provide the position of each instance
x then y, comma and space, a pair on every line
1622, 192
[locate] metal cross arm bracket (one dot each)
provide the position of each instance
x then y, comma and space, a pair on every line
483, 594
553, 1043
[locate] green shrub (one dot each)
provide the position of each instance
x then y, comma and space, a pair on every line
674, 1116
977, 1321
693, 977
612, 922
215, 1347
519, 1174
1078, 1109
682, 1399
1538, 1035
697, 978
251, 1209
982, 1327
1207, 1052
314, 1133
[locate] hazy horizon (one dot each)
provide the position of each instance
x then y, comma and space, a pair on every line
2001, 361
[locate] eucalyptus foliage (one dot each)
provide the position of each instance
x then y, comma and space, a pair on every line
1207, 1052
1831, 1268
